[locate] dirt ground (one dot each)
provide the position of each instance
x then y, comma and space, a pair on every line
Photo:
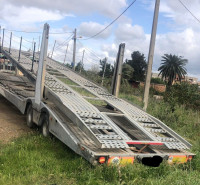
12, 122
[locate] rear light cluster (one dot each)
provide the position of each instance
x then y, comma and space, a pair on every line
102, 160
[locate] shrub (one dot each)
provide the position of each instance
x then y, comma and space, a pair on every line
183, 94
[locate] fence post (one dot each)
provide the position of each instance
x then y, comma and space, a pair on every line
10, 41
33, 57
118, 70
20, 47
3, 38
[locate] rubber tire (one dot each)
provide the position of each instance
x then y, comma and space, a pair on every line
45, 125
29, 117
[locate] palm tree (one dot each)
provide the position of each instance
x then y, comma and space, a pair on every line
173, 66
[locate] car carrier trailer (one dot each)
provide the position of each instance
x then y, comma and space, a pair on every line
117, 133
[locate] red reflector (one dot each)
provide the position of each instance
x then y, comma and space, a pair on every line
143, 143
102, 160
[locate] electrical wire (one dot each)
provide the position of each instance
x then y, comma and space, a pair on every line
37, 32
110, 23
90, 50
60, 32
94, 54
22, 31
89, 56
64, 42
189, 11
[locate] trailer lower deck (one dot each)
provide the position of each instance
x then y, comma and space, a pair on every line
18, 89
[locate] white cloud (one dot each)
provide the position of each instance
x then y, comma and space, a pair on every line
23, 17
109, 8
87, 29
128, 32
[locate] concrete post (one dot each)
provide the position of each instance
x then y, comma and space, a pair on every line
104, 70
20, 47
74, 52
53, 48
10, 41
82, 60
39, 88
66, 54
118, 70
151, 54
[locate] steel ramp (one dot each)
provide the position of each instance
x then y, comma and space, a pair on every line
99, 126
154, 129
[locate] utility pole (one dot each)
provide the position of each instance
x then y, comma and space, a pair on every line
33, 44
39, 88
10, 41
118, 70
33, 57
66, 53
151, 54
20, 47
104, 70
53, 49
74, 52
0, 38
3, 37
39, 44
82, 61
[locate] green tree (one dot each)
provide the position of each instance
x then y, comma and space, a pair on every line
79, 67
173, 66
127, 72
139, 64
108, 71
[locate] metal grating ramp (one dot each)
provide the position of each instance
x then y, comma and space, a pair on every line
101, 127
98, 125
143, 121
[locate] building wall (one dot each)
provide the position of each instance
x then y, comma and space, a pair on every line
158, 87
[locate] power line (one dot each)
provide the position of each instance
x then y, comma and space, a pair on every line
110, 23
24, 39
189, 11
23, 31
96, 60
61, 32
90, 50
64, 42
38, 32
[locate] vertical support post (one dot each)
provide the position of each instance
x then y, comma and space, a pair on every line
151, 54
82, 61
33, 56
118, 70
3, 38
39, 44
53, 49
66, 53
10, 41
74, 52
33, 44
104, 70
20, 47
0, 38
39, 88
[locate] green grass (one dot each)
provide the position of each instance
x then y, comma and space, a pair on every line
82, 91
97, 102
67, 81
34, 159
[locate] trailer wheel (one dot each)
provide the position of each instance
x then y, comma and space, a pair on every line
29, 117
45, 125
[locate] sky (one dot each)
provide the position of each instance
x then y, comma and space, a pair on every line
177, 32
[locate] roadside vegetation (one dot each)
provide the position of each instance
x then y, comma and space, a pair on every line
33, 159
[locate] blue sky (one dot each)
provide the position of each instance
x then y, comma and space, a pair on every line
177, 33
